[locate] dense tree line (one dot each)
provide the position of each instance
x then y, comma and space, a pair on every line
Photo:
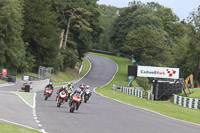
153, 35
58, 33
51, 33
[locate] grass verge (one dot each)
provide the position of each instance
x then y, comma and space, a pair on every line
195, 93
8, 128
70, 74
163, 107
2, 80
28, 97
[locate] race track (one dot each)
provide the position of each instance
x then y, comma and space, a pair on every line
104, 115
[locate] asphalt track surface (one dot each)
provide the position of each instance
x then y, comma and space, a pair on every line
104, 115
99, 115
13, 110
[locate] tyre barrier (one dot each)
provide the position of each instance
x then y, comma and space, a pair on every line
135, 91
187, 102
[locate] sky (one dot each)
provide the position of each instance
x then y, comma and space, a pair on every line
182, 8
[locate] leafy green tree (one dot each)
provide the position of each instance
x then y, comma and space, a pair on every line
168, 19
80, 19
107, 18
12, 48
41, 32
148, 46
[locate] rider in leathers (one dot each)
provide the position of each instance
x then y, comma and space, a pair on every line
63, 88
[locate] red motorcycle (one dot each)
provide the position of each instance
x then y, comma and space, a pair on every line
75, 102
61, 98
48, 93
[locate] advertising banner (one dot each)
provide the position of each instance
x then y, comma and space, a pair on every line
158, 72
4, 72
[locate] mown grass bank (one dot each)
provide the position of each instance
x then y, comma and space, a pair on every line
163, 107
8, 128
68, 75
193, 93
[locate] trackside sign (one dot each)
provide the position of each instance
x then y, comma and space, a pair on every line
158, 72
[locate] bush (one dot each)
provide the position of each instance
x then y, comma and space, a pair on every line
143, 82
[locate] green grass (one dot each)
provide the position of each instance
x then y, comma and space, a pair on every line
19, 76
195, 93
70, 74
2, 80
62, 78
8, 128
163, 107
28, 97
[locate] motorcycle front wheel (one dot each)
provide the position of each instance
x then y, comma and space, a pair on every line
46, 97
59, 102
72, 107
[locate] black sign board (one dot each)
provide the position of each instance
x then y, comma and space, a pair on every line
132, 70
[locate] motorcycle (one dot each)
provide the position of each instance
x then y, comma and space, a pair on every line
61, 98
87, 95
75, 102
48, 93
68, 96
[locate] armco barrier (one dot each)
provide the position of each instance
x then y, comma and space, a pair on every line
38, 85
135, 91
187, 102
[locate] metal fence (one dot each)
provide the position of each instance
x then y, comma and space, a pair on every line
44, 72
135, 91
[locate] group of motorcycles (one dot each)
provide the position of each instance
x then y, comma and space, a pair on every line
74, 97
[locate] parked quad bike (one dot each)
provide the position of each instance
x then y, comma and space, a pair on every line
61, 98
48, 93
75, 102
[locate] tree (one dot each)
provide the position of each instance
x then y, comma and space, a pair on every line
148, 46
12, 47
41, 32
107, 18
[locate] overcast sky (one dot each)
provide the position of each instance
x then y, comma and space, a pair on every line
182, 8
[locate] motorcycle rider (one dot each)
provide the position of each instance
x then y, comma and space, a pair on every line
50, 86
70, 90
72, 85
87, 87
82, 87
78, 90
63, 88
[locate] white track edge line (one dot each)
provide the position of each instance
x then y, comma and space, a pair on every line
22, 99
19, 124
137, 106
86, 73
148, 110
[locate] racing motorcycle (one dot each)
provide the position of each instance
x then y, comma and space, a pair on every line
61, 98
75, 102
68, 96
47, 93
87, 95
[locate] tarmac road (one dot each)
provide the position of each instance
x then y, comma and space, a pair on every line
13, 110
104, 115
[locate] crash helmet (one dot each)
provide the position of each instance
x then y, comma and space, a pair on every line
69, 85
82, 84
63, 87
87, 87
78, 90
